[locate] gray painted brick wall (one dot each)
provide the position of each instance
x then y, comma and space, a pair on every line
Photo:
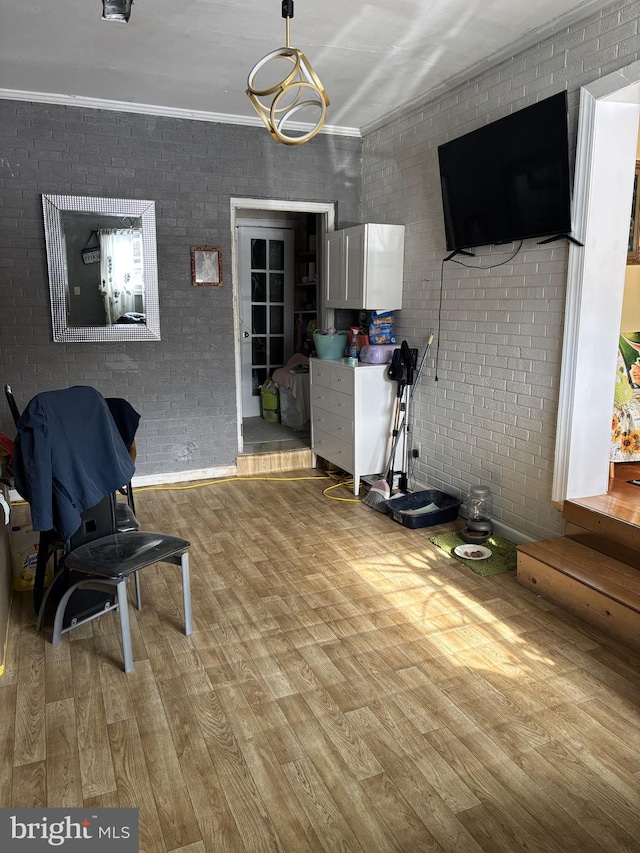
183, 385
491, 416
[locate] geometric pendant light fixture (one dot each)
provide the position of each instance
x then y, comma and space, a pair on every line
283, 86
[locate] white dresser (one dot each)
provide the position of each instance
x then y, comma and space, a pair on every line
352, 416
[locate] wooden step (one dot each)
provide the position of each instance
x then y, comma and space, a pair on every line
610, 547
617, 537
271, 463
593, 586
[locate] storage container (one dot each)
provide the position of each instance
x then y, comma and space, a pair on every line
479, 504
330, 347
24, 557
270, 400
294, 411
424, 509
377, 353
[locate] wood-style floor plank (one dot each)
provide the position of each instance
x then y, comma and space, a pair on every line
175, 811
348, 687
30, 714
423, 798
96, 763
7, 734
64, 774
337, 778
218, 829
29, 786
319, 805
133, 783
289, 819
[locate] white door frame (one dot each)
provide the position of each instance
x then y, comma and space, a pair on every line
605, 164
241, 209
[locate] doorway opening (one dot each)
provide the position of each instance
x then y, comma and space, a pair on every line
279, 284
605, 162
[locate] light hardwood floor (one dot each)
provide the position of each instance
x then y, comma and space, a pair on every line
623, 498
348, 687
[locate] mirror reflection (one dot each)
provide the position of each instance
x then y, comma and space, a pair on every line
102, 268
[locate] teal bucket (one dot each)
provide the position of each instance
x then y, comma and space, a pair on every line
330, 347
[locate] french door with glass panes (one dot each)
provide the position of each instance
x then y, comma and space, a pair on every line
266, 311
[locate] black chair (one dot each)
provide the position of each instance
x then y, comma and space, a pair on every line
68, 449
100, 560
50, 545
127, 420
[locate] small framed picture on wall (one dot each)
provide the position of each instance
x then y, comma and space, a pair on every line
206, 266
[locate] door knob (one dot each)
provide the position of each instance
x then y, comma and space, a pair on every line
245, 334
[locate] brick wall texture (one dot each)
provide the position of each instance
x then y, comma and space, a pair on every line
183, 385
490, 418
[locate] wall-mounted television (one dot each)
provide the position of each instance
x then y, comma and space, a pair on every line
510, 179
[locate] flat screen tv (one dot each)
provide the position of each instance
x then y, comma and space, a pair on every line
510, 179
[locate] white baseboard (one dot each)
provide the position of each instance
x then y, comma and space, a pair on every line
166, 479
509, 533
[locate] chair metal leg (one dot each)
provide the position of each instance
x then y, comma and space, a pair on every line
104, 585
125, 627
136, 580
57, 622
186, 593
45, 598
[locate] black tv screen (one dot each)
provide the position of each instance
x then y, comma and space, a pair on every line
509, 180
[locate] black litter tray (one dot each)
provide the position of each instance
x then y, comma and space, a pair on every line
409, 510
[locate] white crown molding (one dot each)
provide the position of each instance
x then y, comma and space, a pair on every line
157, 110
529, 39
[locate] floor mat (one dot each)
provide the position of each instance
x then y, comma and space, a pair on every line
503, 557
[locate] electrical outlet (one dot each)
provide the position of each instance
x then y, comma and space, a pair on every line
415, 453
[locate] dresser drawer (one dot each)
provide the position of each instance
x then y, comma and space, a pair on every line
342, 379
332, 401
321, 373
337, 376
332, 424
333, 449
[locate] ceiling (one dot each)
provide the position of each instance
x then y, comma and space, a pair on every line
373, 57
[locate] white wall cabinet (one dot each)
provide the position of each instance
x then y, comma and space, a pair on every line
352, 410
365, 267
